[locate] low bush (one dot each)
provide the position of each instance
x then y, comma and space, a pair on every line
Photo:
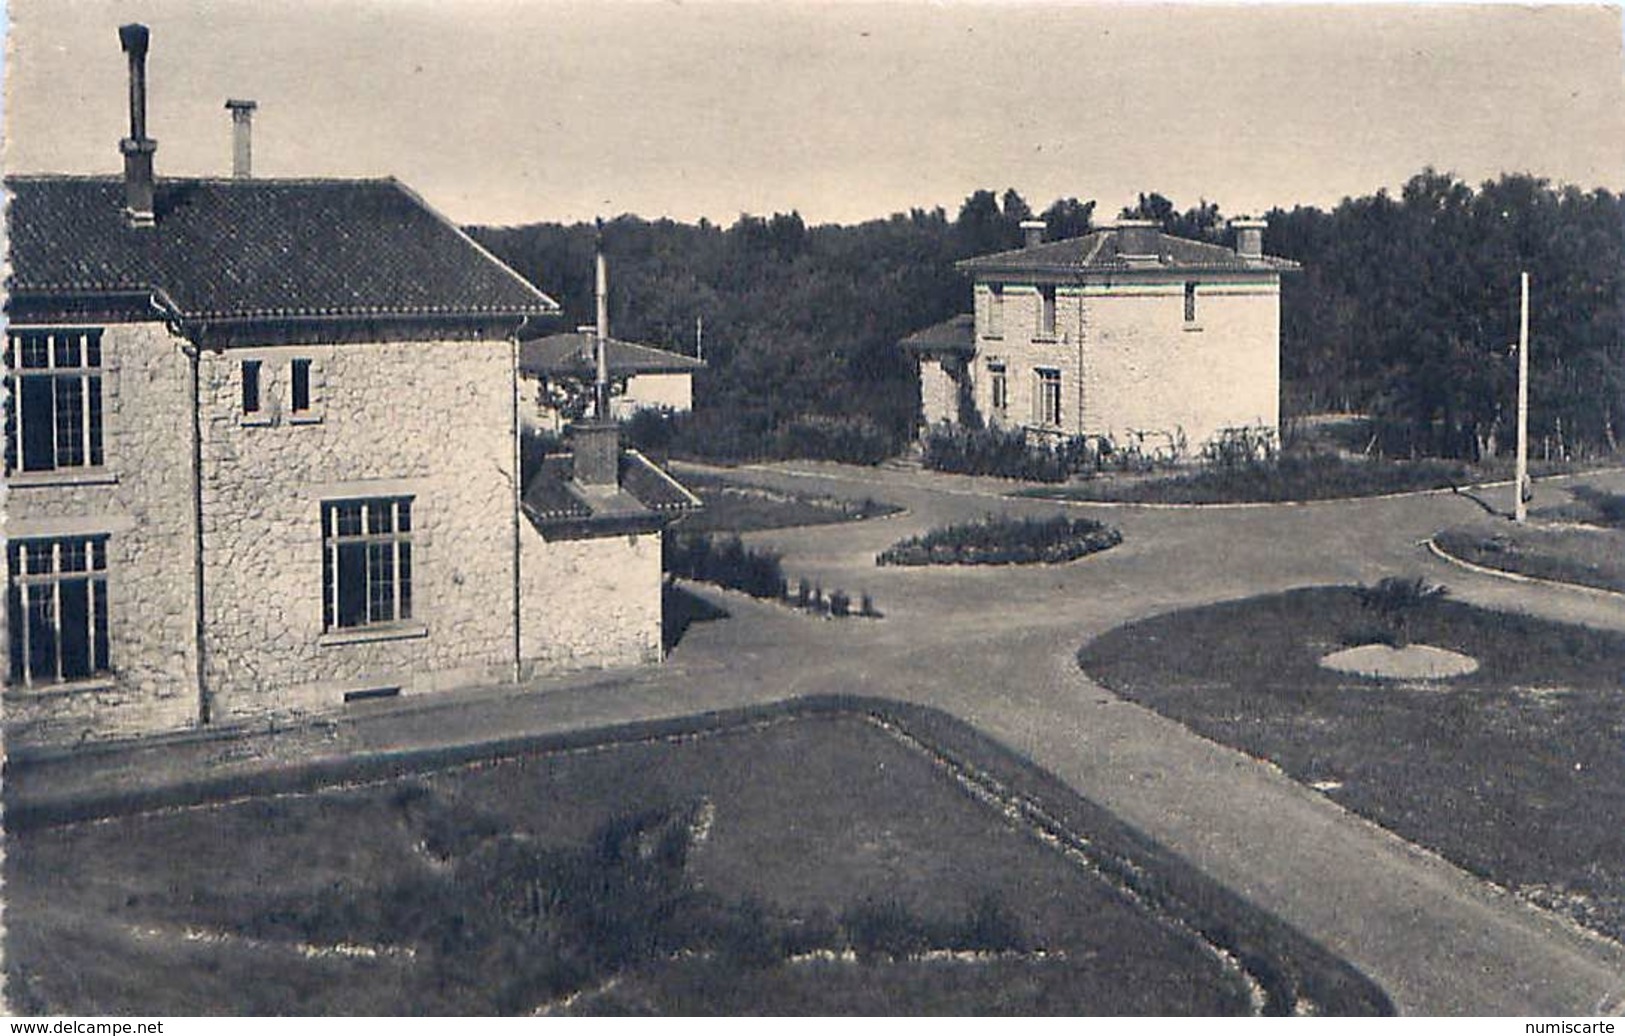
729, 564
1006, 454
998, 540
1313, 476
1394, 600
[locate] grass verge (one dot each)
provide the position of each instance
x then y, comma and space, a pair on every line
1513, 772
1581, 540
671, 868
739, 507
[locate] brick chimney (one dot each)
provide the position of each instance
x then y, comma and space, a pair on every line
137, 148
1139, 238
242, 138
1249, 238
1033, 232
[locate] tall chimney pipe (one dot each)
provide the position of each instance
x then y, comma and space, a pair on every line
242, 138
601, 343
137, 148
597, 443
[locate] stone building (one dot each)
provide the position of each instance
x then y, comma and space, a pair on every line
262, 458
554, 367
1126, 334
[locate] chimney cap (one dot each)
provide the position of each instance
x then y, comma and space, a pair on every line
243, 106
1133, 224
1249, 223
133, 38
1034, 224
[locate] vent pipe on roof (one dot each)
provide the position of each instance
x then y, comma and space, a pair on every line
242, 138
1249, 237
597, 443
1033, 232
137, 148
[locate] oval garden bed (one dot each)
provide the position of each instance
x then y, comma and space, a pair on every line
1512, 771
1000, 540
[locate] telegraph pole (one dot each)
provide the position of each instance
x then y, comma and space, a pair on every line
1520, 506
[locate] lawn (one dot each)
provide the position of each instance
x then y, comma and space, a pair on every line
732, 506
1578, 540
819, 859
1513, 772
1317, 476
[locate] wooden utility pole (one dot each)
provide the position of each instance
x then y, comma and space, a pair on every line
1520, 505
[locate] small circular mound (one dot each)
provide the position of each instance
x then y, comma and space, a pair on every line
1413, 662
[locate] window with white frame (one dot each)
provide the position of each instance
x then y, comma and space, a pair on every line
999, 384
1047, 398
366, 562
54, 399
995, 310
56, 609
1046, 311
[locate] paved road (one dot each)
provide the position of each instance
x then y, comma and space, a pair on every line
995, 647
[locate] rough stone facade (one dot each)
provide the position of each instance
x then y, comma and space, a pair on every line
589, 603
939, 392
1131, 368
141, 500
429, 421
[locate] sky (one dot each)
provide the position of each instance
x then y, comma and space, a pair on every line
512, 111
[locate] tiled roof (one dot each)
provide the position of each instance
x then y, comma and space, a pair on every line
1099, 251
954, 335
572, 353
646, 497
259, 249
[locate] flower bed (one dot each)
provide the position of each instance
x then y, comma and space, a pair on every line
996, 540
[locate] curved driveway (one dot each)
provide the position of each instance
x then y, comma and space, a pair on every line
995, 647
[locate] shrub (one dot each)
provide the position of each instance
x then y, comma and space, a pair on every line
1007, 454
1245, 447
1609, 508
998, 540
1395, 600
884, 930
840, 605
730, 564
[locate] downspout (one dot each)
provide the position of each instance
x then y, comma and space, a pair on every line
193, 350
518, 488
193, 356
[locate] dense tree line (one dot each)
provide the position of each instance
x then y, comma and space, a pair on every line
1406, 309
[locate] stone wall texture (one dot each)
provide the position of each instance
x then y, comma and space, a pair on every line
428, 420
142, 501
589, 603
1131, 366
939, 393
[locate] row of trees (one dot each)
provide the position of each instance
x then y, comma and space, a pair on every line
1406, 309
